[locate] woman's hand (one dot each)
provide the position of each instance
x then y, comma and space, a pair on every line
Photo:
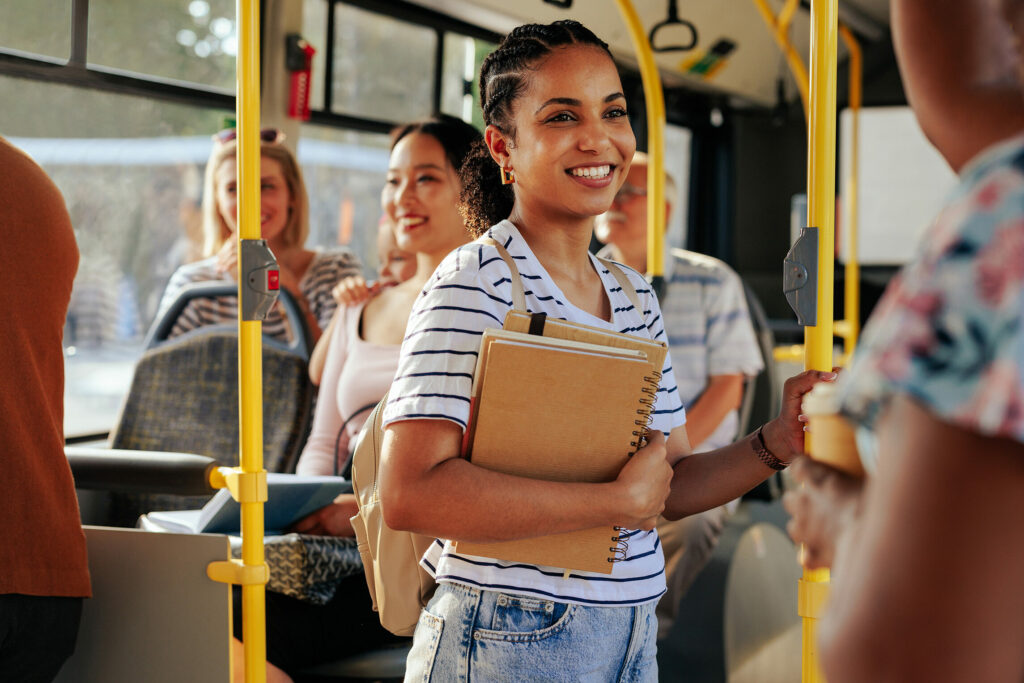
330, 520
354, 290
227, 258
784, 436
823, 509
644, 484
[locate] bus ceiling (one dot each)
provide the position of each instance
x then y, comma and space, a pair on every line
733, 54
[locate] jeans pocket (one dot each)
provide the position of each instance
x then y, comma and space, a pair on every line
520, 618
420, 663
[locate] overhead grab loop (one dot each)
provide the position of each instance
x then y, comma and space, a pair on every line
673, 19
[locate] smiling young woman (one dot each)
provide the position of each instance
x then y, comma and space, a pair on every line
557, 128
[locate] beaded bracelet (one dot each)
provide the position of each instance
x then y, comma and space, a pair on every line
763, 454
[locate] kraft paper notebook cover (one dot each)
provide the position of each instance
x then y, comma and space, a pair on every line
519, 321
562, 411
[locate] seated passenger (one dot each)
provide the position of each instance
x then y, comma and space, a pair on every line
396, 265
927, 551
309, 275
420, 198
714, 348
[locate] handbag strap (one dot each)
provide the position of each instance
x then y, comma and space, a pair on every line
518, 292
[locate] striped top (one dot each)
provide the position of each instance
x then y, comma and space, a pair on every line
469, 292
325, 270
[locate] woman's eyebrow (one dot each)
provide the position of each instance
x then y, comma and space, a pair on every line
573, 102
418, 167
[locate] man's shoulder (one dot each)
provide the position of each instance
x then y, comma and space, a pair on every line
707, 268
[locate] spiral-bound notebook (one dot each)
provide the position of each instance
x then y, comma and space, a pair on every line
562, 410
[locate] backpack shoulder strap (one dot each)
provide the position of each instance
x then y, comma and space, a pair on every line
627, 287
518, 295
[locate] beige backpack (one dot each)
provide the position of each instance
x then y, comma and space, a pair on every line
399, 586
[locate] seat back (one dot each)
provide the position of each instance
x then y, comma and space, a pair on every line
761, 394
184, 398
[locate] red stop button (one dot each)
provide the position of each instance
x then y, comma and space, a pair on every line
273, 280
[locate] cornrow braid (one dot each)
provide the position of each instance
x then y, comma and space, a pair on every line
503, 76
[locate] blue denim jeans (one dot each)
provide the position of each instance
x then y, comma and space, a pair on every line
469, 634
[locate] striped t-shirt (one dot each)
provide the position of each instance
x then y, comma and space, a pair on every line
469, 292
325, 270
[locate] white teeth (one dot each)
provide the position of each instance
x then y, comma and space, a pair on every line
413, 221
592, 171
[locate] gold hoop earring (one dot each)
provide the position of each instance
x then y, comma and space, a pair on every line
508, 176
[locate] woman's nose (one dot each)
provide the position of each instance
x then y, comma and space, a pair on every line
592, 137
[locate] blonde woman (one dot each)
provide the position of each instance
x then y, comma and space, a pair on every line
309, 275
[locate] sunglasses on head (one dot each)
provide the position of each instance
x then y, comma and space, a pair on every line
266, 135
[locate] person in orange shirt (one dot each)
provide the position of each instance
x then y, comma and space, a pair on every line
44, 573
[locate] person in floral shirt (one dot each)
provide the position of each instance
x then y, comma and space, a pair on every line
928, 551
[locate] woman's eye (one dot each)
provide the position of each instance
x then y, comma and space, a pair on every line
426, 179
561, 117
616, 113
392, 181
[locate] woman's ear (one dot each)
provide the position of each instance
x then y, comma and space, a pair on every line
498, 144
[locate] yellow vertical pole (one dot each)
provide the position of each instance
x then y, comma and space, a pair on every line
250, 357
654, 99
821, 194
851, 300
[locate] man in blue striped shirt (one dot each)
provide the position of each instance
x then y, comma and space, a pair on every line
713, 348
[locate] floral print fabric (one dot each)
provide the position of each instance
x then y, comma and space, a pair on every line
948, 332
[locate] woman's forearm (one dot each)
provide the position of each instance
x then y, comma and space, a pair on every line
460, 501
424, 489
702, 481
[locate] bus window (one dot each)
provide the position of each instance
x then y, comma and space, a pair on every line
40, 27
383, 67
460, 90
136, 36
130, 170
344, 173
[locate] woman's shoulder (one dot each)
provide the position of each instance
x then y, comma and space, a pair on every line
334, 258
198, 271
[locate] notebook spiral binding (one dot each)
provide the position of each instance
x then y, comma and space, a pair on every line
646, 410
620, 550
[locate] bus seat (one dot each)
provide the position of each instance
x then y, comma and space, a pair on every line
738, 622
184, 398
761, 394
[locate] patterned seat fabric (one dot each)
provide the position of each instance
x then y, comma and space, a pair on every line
184, 398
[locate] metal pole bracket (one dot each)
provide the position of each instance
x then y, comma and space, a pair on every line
262, 279
800, 277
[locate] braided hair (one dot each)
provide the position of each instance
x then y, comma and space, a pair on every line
484, 201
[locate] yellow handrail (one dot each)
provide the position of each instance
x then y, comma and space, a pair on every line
851, 301
654, 98
821, 201
250, 363
780, 31
248, 483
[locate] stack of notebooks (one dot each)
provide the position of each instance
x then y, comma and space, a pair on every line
571, 405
